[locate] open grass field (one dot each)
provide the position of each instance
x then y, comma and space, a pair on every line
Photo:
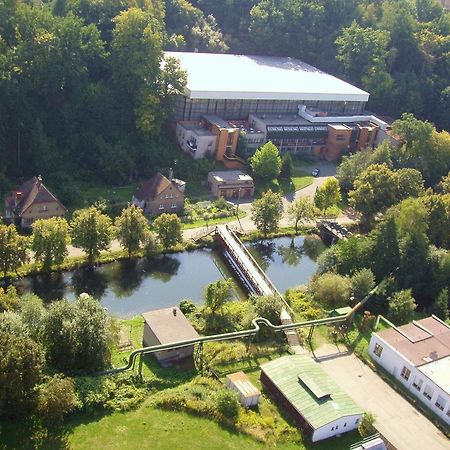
151, 428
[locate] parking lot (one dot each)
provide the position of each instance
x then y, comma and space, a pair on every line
396, 418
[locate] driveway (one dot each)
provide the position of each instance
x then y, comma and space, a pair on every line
327, 169
404, 426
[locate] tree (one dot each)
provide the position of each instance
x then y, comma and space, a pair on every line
362, 49
328, 194
385, 252
21, 365
168, 227
77, 336
374, 191
266, 162
445, 184
266, 212
410, 183
301, 211
136, 53
56, 397
50, 240
352, 166
361, 283
9, 300
92, 231
440, 306
438, 220
13, 249
366, 427
217, 294
401, 307
32, 312
269, 307
331, 289
411, 217
287, 166
242, 145
131, 229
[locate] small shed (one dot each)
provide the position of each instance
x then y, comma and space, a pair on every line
340, 311
248, 394
166, 326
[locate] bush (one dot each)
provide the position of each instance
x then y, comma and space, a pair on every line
228, 405
56, 398
187, 306
366, 427
331, 289
119, 393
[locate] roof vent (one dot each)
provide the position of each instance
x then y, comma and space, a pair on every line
174, 310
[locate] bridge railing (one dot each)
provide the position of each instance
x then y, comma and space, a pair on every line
257, 267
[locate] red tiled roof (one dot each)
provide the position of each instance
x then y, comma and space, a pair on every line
153, 187
420, 342
33, 192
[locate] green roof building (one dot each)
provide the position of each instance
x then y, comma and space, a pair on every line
318, 404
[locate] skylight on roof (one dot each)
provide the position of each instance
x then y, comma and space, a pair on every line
313, 386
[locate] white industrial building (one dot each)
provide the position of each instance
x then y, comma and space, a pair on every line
260, 98
418, 355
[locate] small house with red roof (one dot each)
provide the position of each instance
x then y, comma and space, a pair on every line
32, 201
160, 195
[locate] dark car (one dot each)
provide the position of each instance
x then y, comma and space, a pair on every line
315, 172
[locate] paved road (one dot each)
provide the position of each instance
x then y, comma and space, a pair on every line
396, 419
246, 224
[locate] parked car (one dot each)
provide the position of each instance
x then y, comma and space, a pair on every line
315, 172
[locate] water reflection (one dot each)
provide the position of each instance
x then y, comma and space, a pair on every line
313, 246
90, 280
127, 288
263, 252
290, 254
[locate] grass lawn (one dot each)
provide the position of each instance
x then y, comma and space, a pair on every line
89, 193
150, 428
299, 180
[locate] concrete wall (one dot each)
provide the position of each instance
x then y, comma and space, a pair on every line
205, 144
149, 339
393, 362
340, 426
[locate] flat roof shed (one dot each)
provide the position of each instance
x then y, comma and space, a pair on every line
317, 403
166, 326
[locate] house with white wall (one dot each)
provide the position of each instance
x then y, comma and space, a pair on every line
418, 356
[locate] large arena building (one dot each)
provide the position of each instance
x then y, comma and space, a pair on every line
300, 108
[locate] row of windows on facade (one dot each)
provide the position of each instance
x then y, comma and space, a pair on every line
417, 383
239, 109
345, 424
173, 206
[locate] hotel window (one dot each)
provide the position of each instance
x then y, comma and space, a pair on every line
173, 205
405, 373
428, 392
440, 403
417, 383
378, 350
161, 206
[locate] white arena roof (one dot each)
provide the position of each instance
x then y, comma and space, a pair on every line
221, 76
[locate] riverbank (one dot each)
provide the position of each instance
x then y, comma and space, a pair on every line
198, 238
